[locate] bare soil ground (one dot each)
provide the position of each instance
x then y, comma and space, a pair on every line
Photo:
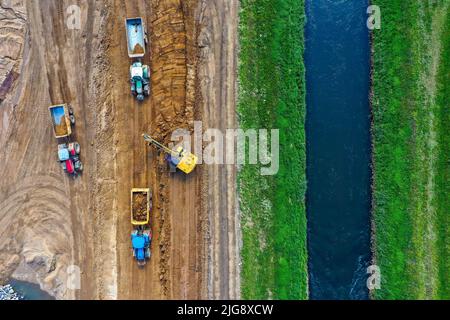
49, 221
217, 73
46, 218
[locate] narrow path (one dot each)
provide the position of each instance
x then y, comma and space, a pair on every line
217, 73
428, 80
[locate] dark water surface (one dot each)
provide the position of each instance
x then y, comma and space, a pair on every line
337, 62
30, 291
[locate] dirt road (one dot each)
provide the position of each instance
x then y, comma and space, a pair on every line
45, 216
50, 221
168, 273
217, 77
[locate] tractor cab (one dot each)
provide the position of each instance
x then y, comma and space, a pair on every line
183, 160
63, 154
137, 72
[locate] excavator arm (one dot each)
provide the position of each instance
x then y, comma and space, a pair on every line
186, 161
152, 141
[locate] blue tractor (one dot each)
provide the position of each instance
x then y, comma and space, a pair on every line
141, 236
141, 241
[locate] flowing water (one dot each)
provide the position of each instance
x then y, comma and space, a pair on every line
337, 58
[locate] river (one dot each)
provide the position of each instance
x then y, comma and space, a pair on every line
337, 60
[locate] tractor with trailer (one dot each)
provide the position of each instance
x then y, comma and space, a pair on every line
178, 158
63, 119
141, 236
136, 43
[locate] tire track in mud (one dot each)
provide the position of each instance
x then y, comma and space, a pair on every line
132, 118
89, 68
165, 275
51, 75
65, 45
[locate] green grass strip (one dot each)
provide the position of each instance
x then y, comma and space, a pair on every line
410, 108
272, 96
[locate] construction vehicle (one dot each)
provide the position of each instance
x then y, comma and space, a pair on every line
141, 236
63, 119
136, 43
178, 158
69, 157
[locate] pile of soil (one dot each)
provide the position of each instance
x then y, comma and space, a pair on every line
61, 129
138, 49
140, 206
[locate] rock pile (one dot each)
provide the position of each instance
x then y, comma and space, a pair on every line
7, 293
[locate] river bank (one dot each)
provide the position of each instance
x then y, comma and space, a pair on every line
410, 149
272, 96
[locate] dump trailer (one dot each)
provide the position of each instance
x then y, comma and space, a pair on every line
136, 43
179, 158
141, 236
136, 37
63, 119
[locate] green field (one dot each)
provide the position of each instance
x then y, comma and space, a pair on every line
272, 96
411, 147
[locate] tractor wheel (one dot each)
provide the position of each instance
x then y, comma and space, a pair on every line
77, 147
147, 90
146, 72
80, 166
72, 119
70, 110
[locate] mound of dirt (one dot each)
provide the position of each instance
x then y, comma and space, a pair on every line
138, 49
140, 206
61, 129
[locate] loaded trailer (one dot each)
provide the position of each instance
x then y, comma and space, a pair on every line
136, 44
63, 119
141, 236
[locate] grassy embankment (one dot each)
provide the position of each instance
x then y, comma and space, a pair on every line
272, 96
411, 148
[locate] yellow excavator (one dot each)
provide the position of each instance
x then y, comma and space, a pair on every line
179, 158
